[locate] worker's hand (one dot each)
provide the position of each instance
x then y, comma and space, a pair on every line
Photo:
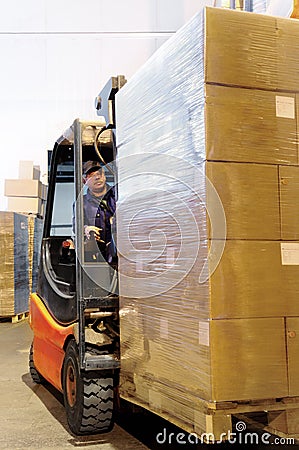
97, 232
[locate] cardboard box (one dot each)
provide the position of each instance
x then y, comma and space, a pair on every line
29, 205
250, 198
251, 281
256, 349
26, 170
23, 188
251, 50
241, 49
201, 364
249, 125
36, 173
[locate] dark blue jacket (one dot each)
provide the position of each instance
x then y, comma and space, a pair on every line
98, 212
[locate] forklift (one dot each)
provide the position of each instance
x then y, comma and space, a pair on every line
74, 313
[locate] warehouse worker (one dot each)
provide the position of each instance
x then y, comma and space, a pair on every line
99, 208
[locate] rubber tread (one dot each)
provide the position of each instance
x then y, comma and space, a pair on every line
98, 405
92, 411
35, 375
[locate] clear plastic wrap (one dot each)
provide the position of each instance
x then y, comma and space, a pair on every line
35, 237
207, 215
259, 6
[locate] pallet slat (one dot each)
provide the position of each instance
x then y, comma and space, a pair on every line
15, 318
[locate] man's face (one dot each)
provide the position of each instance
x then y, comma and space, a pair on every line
96, 181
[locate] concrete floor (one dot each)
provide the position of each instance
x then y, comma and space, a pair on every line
32, 416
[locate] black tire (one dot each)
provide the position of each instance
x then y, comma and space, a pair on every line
35, 375
88, 398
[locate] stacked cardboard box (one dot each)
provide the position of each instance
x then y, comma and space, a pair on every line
27, 194
208, 245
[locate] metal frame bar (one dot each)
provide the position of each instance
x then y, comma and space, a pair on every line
79, 236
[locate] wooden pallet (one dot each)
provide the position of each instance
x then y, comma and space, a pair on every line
216, 421
15, 318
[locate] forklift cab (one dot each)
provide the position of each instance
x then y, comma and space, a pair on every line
74, 314
72, 267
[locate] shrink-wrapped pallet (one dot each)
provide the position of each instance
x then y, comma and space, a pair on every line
208, 255
14, 277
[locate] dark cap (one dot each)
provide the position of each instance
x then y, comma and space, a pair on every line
91, 166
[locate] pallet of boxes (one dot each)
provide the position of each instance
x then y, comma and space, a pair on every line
208, 225
20, 238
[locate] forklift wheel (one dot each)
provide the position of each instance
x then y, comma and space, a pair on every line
35, 375
88, 398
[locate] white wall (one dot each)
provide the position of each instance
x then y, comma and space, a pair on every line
57, 54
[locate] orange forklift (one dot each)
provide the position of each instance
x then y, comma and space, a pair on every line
74, 313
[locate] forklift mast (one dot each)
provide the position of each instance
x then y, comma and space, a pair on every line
96, 280
105, 100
